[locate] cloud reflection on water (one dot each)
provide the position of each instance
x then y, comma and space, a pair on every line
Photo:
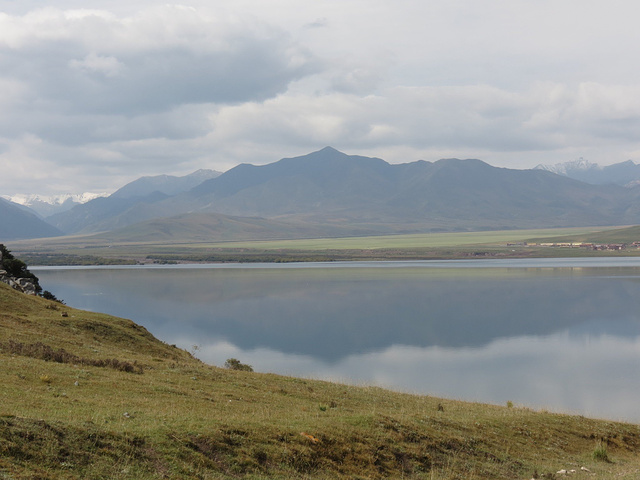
586, 375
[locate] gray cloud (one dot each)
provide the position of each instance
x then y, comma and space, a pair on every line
97, 63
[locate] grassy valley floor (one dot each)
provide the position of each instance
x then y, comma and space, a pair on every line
95, 250
87, 395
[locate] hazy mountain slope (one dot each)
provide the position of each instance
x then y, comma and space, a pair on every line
117, 210
167, 184
215, 227
477, 193
94, 213
16, 222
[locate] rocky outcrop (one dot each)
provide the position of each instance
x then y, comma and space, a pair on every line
24, 285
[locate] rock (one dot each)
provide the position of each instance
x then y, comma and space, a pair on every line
24, 285
27, 286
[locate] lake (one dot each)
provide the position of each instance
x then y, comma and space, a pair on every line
555, 334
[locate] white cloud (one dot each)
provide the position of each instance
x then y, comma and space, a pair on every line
432, 121
106, 65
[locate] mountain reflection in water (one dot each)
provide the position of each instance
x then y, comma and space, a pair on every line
564, 338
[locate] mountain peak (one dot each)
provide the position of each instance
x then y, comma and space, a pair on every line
329, 149
567, 167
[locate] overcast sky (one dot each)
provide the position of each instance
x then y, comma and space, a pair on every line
94, 94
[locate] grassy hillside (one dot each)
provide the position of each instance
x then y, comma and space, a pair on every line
86, 395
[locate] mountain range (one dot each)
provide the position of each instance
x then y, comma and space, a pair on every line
354, 193
624, 173
330, 193
17, 212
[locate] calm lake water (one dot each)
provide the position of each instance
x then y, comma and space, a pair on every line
558, 334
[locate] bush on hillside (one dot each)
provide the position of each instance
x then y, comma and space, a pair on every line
234, 364
50, 296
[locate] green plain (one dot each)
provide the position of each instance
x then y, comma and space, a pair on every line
94, 249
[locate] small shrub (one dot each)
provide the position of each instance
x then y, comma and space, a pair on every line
323, 408
234, 364
509, 404
50, 296
600, 452
45, 379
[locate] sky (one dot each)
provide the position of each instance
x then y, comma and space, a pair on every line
94, 94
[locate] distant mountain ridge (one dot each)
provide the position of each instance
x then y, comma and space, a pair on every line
16, 222
108, 213
166, 184
47, 205
331, 189
623, 173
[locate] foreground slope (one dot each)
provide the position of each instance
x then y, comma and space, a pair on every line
88, 395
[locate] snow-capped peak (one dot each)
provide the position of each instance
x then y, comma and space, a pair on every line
566, 167
30, 199
47, 205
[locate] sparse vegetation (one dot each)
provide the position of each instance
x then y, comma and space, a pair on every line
600, 452
234, 364
47, 295
45, 352
42, 259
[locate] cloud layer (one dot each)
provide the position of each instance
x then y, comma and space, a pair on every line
95, 94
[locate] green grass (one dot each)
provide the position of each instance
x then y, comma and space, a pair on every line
88, 249
419, 240
181, 418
